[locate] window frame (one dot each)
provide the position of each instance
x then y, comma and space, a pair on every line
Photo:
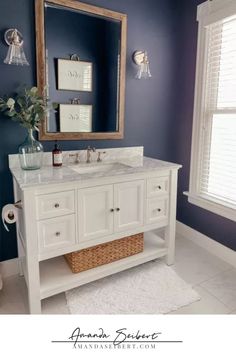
207, 13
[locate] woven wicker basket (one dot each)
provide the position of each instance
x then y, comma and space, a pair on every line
104, 253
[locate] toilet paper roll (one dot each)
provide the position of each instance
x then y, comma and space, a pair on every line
9, 215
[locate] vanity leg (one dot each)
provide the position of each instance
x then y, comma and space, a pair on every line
170, 229
17, 196
31, 252
33, 283
34, 302
170, 243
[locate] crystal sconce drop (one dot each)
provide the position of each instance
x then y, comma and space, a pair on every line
141, 59
15, 54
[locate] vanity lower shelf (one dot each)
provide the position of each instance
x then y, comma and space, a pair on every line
56, 276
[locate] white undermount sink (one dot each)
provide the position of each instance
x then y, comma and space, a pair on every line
93, 168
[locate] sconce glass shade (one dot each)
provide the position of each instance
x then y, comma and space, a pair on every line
15, 54
141, 59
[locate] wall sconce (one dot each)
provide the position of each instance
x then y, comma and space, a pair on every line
15, 54
140, 58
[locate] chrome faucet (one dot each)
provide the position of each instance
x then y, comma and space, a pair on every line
89, 150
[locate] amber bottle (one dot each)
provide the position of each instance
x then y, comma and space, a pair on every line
56, 156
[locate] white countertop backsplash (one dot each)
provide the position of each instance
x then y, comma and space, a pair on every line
132, 158
114, 154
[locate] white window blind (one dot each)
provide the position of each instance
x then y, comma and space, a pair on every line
218, 162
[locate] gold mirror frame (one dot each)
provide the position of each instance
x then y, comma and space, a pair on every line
41, 66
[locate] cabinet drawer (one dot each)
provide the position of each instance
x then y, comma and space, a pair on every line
56, 233
55, 204
157, 186
157, 210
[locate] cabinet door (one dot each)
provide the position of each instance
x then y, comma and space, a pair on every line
128, 205
95, 208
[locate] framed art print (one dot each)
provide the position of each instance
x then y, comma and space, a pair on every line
75, 118
74, 75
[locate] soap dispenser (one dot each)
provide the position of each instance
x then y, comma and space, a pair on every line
56, 156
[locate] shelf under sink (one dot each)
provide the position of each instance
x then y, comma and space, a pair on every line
56, 276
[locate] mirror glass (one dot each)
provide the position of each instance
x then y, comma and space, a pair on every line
82, 66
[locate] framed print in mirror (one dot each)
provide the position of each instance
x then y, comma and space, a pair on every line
74, 75
75, 118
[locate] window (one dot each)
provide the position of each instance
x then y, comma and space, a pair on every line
213, 158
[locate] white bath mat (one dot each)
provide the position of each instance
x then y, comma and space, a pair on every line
152, 288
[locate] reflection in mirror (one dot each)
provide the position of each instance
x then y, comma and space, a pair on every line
84, 71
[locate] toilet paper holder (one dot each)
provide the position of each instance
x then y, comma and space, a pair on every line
18, 204
9, 213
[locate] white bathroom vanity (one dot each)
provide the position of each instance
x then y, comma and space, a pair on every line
81, 205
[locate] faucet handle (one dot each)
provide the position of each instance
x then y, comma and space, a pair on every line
99, 155
76, 155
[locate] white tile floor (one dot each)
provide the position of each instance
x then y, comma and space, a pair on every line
212, 278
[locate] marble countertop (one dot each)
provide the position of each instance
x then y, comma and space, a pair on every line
53, 175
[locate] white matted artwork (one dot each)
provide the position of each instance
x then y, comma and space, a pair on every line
75, 118
74, 75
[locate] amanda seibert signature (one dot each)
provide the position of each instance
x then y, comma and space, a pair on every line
119, 336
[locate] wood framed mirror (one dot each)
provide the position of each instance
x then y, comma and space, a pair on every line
81, 59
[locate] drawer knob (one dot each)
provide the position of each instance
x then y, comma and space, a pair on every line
56, 205
112, 210
158, 209
117, 209
58, 233
158, 187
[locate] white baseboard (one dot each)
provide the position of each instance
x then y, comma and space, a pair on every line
212, 246
9, 268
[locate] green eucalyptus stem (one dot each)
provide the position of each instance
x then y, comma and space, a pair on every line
31, 135
28, 108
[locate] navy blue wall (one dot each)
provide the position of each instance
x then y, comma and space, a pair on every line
158, 111
149, 112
